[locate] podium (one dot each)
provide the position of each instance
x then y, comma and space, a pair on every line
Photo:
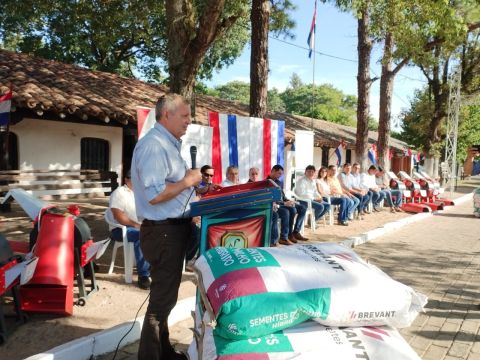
237, 216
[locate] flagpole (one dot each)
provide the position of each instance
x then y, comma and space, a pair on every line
6, 140
313, 70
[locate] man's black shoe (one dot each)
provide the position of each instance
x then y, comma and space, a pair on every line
144, 282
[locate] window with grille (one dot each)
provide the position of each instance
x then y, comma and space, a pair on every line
95, 154
348, 156
325, 154
9, 157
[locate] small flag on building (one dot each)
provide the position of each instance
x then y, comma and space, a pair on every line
338, 152
372, 154
5, 106
390, 153
417, 158
311, 35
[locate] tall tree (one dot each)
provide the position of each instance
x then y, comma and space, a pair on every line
265, 15
408, 29
128, 37
364, 82
260, 19
191, 32
361, 9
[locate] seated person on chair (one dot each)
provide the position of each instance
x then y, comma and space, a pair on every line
335, 199
206, 185
350, 185
289, 234
253, 174
306, 188
369, 183
121, 211
337, 191
232, 177
389, 194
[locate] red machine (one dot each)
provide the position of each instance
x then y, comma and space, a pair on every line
420, 195
61, 244
409, 194
51, 288
8, 261
435, 185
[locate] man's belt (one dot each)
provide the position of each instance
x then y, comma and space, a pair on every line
169, 221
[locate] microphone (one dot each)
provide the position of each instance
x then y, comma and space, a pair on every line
193, 156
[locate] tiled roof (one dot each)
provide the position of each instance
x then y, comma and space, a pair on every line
65, 89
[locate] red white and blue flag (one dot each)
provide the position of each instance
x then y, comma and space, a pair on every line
246, 142
5, 106
311, 35
372, 154
338, 152
417, 158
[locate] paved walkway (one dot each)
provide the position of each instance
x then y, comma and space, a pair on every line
440, 257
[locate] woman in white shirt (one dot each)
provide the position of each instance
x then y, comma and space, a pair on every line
324, 189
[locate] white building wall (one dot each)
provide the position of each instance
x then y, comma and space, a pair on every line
56, 144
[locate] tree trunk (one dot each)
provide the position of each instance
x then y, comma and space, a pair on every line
439, 88
259, 57
189, 36
386, 91
363, 86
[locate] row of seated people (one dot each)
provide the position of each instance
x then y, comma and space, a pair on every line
350, 190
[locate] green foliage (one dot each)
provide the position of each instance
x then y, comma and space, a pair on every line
280, 21
468, 129
295, 81
103, 35
416, 121
322, 102
235, 91
372, 124
331, 104
274, 101
123, 36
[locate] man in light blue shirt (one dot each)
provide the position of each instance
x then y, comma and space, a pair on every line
163, 187
351, 183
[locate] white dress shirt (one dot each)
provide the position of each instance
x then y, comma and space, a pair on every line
306, 188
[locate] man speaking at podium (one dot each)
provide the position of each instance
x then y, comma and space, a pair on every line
164, 187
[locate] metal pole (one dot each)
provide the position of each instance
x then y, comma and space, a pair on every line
313, 71
452, 127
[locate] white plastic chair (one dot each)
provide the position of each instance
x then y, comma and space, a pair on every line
128, 249
330, 211
310, 214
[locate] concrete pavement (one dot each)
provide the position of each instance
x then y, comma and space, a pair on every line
438, 256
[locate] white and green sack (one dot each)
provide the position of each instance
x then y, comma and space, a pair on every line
307, 341
259, 291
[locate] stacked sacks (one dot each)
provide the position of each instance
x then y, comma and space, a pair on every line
252, 293
476, 203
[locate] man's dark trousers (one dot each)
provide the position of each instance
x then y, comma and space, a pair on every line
164, 248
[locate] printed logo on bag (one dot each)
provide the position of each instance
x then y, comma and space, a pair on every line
368, 315
374, 333
318, 255
356, 343
344, 256
234, 239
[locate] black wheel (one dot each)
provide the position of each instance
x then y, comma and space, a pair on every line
81, 302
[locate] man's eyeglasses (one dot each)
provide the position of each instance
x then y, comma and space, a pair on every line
208, 175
